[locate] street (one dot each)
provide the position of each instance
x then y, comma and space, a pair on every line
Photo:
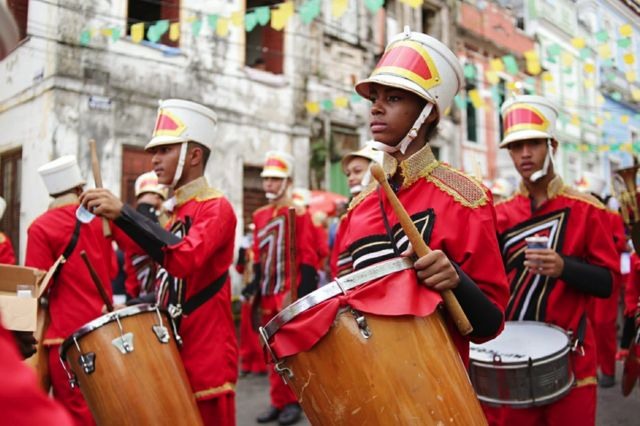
613, 409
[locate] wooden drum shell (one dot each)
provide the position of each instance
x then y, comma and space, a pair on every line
146, 386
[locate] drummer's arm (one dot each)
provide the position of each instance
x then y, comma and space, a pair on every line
590, 279
149, 235
485, 317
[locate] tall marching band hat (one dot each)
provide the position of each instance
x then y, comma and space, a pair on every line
8, 31
367, 153
418, 63
278, 164
591, 183
3, 207
301, 197
148, 182
528, 117
183, 121
61, 174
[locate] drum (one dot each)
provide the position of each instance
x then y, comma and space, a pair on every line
129, 369
375, 369
527, 365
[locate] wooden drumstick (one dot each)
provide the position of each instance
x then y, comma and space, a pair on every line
97, 177
97, 282
292, 254
421, 248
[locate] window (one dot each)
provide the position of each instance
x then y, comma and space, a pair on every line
431, 23
264, 47
135, 161
472, 122
10, 188
150, 12
501, 97
20, 11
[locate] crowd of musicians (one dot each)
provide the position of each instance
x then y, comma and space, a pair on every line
178, 242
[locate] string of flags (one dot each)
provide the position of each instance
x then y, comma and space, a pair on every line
339, 102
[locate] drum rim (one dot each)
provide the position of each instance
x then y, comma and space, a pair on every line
334, 288
103, 320
544, 400
537, 361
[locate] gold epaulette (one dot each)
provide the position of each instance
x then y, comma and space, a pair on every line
208, 194
462, 187
363, 194
573, 193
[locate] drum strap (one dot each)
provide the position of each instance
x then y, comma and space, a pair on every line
580, 333
70, 247
387, 226
203, 295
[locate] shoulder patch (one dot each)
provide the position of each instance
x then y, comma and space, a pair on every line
573, 193
464, 189
208, 194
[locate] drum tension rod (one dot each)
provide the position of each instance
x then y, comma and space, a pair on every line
160, 330
87, 361
361, 321
278, 364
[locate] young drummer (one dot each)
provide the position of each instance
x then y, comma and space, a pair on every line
196, 253
411, 87
556, 284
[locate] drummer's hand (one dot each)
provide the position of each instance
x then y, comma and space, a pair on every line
544, 262
435, 270
101, 202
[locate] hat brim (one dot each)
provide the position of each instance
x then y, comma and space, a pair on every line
363, 88
273, 174
164, 140
523, 135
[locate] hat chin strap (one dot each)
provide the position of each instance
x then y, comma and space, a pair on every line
180, 167
404, 143
274, 196
536, 176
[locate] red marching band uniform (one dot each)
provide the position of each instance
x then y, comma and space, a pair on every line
73, 299
271, 250
7, 255
577, 227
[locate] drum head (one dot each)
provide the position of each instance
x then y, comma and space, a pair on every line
519, 341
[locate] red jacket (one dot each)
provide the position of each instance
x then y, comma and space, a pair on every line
73, 298
206, 222
7, 256
451, 211
577, 226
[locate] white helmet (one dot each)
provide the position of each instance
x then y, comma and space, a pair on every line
502, 187
528, 117
420, 64
61, 174
591, 183
278, 164
148, 182
367, 153
301, 197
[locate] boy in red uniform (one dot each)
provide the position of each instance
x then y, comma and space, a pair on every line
73, 299
271, 267
7, 256
553, 285
410, 88
196, 252
603, 312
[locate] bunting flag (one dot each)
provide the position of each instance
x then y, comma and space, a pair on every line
137, 32
532, 62
338, 8
174, 31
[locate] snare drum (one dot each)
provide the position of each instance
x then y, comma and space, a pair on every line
129, 369
527, 365
372, 369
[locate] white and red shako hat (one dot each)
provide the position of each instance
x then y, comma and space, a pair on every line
148, 182
183, 121
278, 164
528, 117
591, 183
61, 174
367, 153
301, 197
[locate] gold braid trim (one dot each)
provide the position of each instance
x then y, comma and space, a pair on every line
227, 387
362, 195
586, 381
574, 194
461, 187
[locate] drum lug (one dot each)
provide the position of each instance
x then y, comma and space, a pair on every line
87, 362
124, 343
161, 333
73, 380
361, 321
277, 363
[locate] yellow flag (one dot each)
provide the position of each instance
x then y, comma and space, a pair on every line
511, 85
312, 107
287, 9
174, 31
635, 94
476, 99
237, 18
547, 76
578, 42
627, 147
492, 77
588, 84
629, 58
631, 76
341, 102
589, 68
222, 27
624, 119
107, 32
604, 51
533, 62
413, 3
137, 32
567, 59
339, 7
599, 121
626, 30
280, 15
600, 101
496, 65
